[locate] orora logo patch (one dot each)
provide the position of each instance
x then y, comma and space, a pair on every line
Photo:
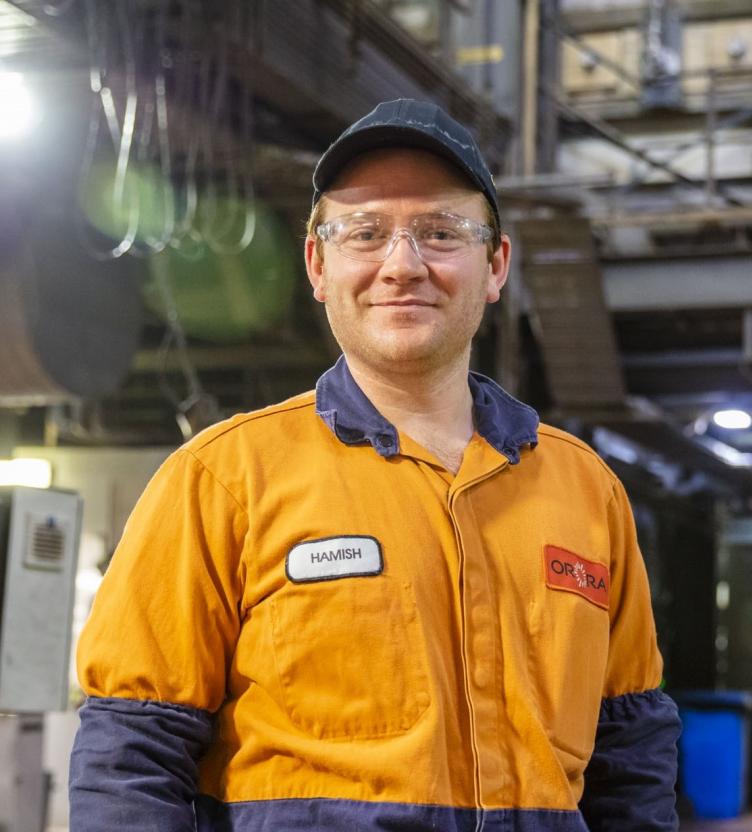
572, 573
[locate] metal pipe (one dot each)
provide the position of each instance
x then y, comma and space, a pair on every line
747, 337
553, 180
530, 87
655, 219
710, 131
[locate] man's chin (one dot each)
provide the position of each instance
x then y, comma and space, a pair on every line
408, 353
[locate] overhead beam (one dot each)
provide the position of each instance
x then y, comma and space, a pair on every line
260, 357
616, 137
588, 18
653, 429
691, 283
730, 216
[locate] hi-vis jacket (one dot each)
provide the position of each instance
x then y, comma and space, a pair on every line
311, 625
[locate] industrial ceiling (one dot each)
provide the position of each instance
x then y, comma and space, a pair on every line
628, 193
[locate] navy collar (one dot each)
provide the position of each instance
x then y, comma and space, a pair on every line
500, 419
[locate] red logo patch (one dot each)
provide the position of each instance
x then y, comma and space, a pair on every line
572, 573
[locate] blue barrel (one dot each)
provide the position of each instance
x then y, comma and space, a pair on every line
714, 751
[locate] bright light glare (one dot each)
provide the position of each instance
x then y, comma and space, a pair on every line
732, 419
722, 595
88, 580
33, 473
17, 112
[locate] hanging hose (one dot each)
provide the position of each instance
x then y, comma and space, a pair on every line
136, 81
196, 409
121, 136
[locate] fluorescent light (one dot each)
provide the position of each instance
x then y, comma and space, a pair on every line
34, 473
732, 419
17, 111
722, 595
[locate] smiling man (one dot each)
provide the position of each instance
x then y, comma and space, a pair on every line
409, 269
397, 602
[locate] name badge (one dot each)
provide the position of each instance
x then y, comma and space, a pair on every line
329, 558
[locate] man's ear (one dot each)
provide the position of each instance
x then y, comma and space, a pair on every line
315, 268
498, 269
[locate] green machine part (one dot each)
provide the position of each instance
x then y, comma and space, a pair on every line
219, 297
224, 298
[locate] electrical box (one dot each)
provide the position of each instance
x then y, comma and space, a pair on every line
39, 536
723, 45
583, 76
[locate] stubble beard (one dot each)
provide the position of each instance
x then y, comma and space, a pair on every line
390, 352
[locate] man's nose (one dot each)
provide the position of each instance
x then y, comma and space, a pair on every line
403, 260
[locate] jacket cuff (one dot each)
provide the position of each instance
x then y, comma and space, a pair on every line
134, 765
630, 780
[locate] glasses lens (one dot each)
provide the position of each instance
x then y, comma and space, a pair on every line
443, 234
371, 236
362, 236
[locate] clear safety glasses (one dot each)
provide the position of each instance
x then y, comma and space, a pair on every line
434, 237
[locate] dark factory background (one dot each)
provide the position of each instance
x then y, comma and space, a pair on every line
155, 178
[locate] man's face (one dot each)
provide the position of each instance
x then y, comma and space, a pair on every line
403, 314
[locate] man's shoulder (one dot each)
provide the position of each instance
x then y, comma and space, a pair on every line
567, 447
274, 418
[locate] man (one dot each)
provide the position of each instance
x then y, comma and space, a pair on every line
397, 602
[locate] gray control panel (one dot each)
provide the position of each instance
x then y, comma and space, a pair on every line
39, 537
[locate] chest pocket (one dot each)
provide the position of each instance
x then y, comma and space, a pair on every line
568, 654
350, 656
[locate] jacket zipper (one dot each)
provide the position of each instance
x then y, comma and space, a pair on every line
480, 809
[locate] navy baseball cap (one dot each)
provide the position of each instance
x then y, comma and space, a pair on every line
407, 123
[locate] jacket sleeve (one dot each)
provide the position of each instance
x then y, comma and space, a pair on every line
155, 653
133, 766
630, 780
